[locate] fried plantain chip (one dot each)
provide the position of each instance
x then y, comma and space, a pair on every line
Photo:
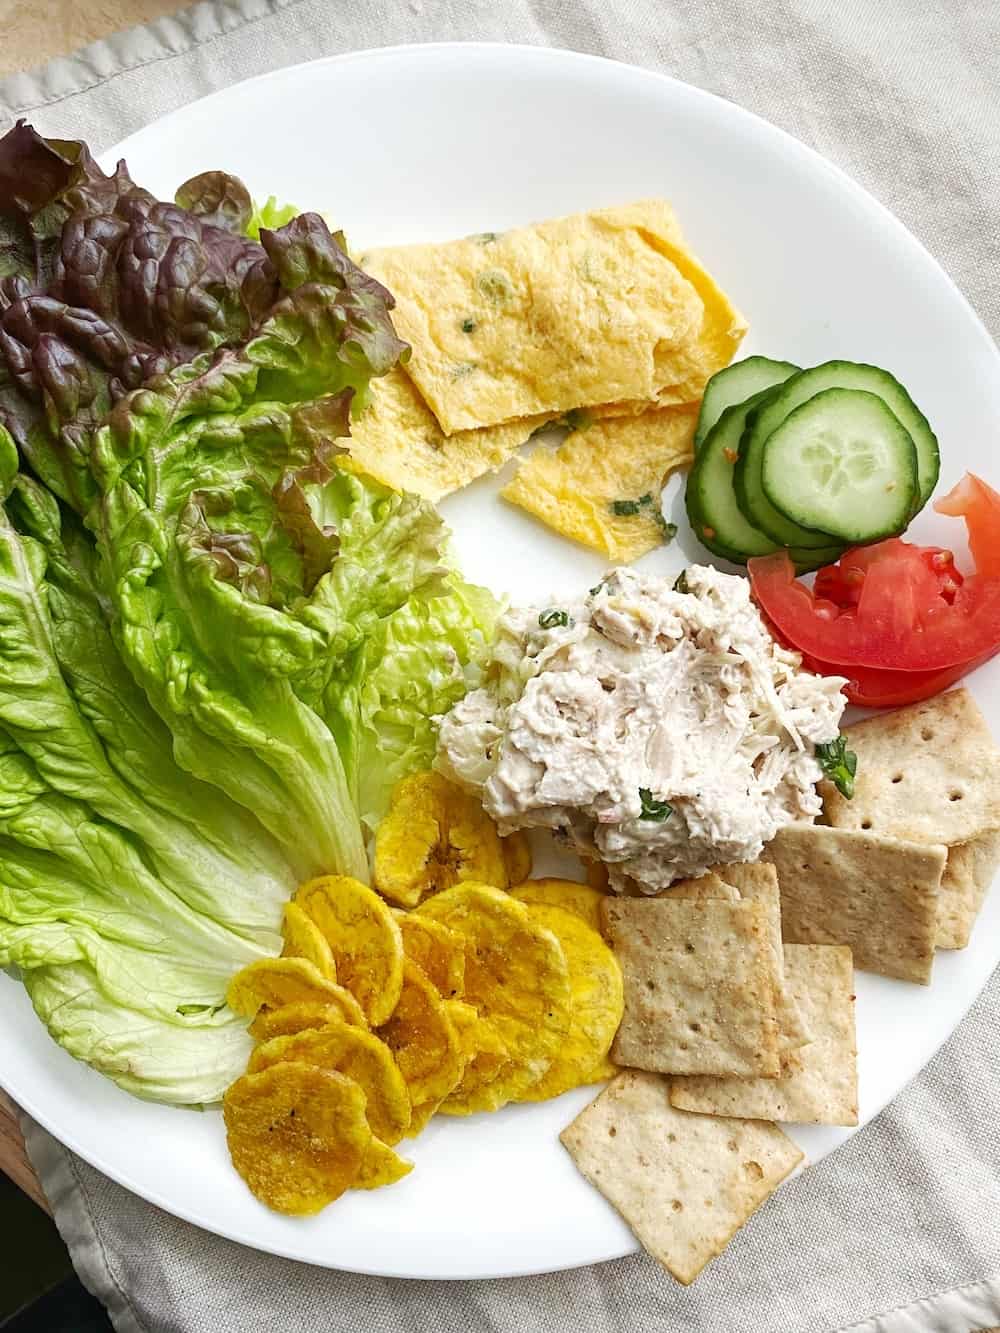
486, 1059
356, 1054
420, 1117
437, 951
381, 1166
517, 856
580, 899
598, 1002
275, 982
297, 1135
297, 1017
423, 1039
435, 835
364, 937
516, 975
304, 939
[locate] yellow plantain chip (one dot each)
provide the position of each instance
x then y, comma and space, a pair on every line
397, 440
356, 1054
517, 856
598, 1001
297, 1135
420, 1117
423, 1039
516, 975
298, 1017
435, 835
486, 1059
381, 1166
304, 939
602, 485
437, 951
364, 937
275, 982
580, 899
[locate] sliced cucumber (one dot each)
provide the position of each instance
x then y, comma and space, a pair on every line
735, 384
843, 463
710, 496
798, 390
712, 511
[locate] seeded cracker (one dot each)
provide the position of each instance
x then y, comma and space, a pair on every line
877, 895
820, 1085
759, 882
684, 1183
700, 986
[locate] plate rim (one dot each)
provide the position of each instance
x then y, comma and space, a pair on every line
796, 148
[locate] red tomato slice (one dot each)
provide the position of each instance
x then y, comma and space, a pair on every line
871, 687
895, 606
979, 505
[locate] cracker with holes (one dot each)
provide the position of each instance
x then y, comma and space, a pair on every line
684, 1183
931, 773
700, 986
877, 895
759, 882
819, 1084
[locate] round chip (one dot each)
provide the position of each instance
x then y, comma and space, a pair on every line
279, 981
304, 939
297, 1135
356, 1054
580, 899
598, 1001
437, 951
382, 1166
364, 937
420, 1117
292, 1018
486, 1061
423, 1039
435, 835
517, 856
517, 977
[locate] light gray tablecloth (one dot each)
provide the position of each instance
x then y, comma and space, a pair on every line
900, 1231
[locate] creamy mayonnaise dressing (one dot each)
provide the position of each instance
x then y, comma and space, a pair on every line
646, 696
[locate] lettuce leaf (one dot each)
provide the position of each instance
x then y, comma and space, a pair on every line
218, 649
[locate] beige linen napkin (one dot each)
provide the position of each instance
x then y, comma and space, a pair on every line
899, 1231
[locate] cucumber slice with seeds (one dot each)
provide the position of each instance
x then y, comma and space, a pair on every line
798, 390
735, 384
843, 463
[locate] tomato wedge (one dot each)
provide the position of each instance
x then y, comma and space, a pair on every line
871, 687
894, 606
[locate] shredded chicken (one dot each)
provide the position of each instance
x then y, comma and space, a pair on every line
661, 732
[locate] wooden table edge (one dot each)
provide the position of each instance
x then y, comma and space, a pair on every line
14, 1160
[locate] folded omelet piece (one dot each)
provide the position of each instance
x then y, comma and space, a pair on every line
598, 307
397, 440
601, 486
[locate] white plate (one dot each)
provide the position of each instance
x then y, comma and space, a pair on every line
432, 142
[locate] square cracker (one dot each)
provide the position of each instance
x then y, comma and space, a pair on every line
759, 883
875, 894
684, 1183
964, 884
708, 885
820, 1086
929, 773
700, 986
